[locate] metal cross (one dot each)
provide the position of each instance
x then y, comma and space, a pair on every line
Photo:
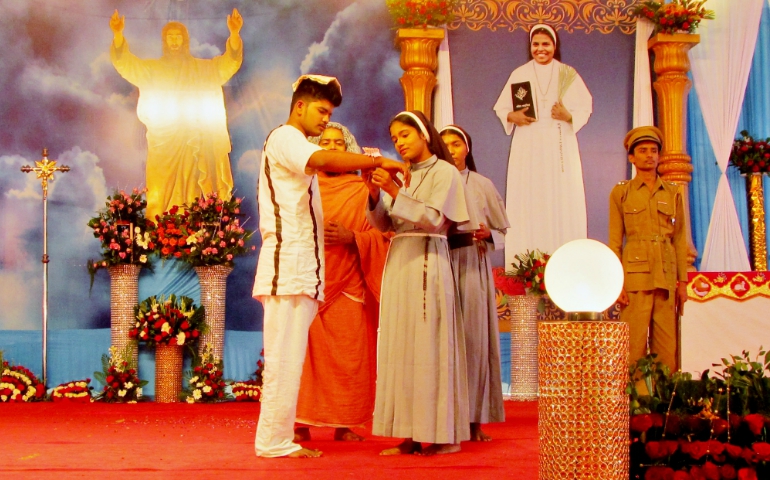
44, 169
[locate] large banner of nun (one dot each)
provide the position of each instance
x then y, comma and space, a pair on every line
65, 89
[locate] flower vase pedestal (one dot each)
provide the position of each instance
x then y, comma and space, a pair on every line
419, 60
583, 413
168, 372
124, 296
757, 229
523, 314
213, 282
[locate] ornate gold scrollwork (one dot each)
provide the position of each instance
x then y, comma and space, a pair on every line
603, 16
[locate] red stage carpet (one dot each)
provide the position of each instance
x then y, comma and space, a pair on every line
148, 440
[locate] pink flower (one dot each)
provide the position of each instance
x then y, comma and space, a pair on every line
122, 254
229, 257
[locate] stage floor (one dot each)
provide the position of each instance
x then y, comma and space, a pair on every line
149, 440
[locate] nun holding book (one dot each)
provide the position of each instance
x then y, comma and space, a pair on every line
548, 103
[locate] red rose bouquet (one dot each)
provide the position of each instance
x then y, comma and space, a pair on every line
171, 232
122, 230
18, 384
749, 155
119, 377
529, 269
171, 320
421, 13
674, 16
204, 381
77, 391
217, 235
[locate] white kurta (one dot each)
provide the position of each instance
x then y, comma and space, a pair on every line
545, 197
422, 390
473, 273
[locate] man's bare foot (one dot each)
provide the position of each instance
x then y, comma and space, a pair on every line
439, 449
477, 435
305, 453
406, 447
342, 435
301, 434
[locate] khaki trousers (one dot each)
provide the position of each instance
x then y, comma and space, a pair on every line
651, 318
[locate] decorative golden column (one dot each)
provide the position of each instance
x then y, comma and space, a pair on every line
757, 235
419, 61
672, 86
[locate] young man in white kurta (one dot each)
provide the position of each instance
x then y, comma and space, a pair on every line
290, 269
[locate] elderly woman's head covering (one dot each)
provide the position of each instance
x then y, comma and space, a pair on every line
350, 141
454, 129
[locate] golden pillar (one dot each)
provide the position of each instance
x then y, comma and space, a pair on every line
672, 86
757, 235
419, 62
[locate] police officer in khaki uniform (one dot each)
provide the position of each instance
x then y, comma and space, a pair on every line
648, 214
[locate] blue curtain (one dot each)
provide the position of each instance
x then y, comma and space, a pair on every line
754, 118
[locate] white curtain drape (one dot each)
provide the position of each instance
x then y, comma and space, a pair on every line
720, 69
443, 108
643, 113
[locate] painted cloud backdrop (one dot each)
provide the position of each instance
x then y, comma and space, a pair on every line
60, 91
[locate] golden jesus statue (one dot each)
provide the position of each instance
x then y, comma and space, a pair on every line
182, 105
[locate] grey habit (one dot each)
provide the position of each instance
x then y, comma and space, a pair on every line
422, 390
473, 275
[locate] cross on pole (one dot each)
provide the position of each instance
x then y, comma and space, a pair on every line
44, 169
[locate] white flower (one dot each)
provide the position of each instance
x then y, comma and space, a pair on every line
139, 392
180, 338
128, 385
199, 384
3, 397
197, 394
194, 379
166, 327
122, 393
190, 400
207, 389
143, 258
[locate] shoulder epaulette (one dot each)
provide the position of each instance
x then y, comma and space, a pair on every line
622, 182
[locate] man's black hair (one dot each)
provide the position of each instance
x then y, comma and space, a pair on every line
311, 90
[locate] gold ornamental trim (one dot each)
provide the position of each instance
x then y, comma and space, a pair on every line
739, 286
603, 16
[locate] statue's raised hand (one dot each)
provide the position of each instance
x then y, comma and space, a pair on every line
117, 23
234, 22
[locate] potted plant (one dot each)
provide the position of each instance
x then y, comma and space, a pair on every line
676, 16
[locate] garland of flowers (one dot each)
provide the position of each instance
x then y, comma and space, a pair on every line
18, 384
715, 427
250, 390
123, 231
421, 13
119, 377
170, 320
749, 155
77, 391
204, 381
674, 16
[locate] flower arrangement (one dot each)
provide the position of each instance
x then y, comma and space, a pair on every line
171, 233
170, 320
421, 13
674, 16
749, 155
250, 390
18, 384
119, 377
216, 233
529, 269
715, 427
508, 284
77, 391
204, 381
122, 230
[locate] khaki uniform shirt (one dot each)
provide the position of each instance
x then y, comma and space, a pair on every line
652, 224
